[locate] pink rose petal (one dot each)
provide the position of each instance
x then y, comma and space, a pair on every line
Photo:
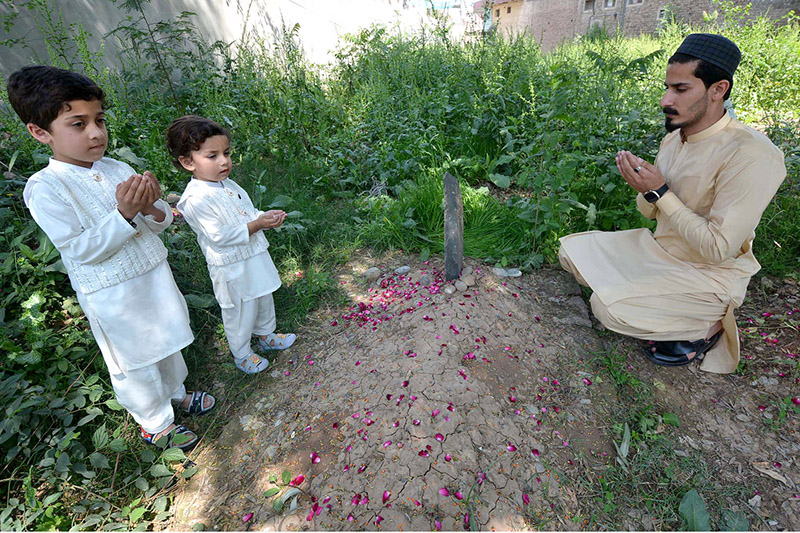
511, 447
386, 495
447, 457
298, 480
444, 492
526, 499
439, 437
437, 525
459, 496
246, 518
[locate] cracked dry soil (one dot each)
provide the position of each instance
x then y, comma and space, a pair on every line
429, 409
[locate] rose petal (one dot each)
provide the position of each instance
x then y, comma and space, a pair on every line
447, 457
535, 452
437, 525
415, 422
378, 519
511, 447
435, 412
526, 499
246, 518
386, 495
387, 444
459, 496
298, 480
315, 458
439, 437
444, 492
423, 453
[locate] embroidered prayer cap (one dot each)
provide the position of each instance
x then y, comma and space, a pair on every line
715, 49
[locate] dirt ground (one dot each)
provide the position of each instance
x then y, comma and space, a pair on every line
415, 409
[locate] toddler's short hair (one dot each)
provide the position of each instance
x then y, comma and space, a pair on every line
38, 93
187, 133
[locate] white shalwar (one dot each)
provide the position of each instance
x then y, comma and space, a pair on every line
243, 288
140, 324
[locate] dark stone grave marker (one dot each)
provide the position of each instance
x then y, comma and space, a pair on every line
453, 228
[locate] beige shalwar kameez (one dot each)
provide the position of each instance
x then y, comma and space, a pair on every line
677, 283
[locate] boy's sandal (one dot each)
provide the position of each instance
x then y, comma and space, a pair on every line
676, 353
276, 341
197, 403
166, 441
253, 364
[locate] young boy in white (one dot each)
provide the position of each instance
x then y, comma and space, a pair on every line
104, 219
230, 233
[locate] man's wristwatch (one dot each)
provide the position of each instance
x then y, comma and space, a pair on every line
653, 196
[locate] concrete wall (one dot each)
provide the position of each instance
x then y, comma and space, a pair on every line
322, 22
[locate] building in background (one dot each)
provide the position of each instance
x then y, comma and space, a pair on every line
551, 22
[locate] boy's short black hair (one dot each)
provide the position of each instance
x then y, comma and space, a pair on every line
39, 93
187, 133
705, 71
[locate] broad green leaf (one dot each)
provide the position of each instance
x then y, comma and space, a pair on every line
141, 484
100, 437
189, 472
126, 154
424, 254
50, 499
179, 439
147, 456
137, 513
502, 181
289, 493
694, 513
173, 454
280, 201
160, 470
277, 505
271, 492
294, 214
99, 460
734, 521
199, 526
286, 476
114, 405
201, 301
160, 504
671, 419
118, 445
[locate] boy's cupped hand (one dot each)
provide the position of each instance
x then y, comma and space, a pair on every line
133, 195
272, 219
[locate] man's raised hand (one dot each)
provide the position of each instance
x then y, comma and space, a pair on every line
638, 173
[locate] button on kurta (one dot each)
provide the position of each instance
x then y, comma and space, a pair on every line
97, 177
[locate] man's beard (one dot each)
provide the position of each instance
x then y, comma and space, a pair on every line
699, 109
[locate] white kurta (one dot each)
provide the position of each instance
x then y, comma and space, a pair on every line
138, 322
696, 266
240, 281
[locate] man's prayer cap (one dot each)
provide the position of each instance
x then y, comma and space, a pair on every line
715, 49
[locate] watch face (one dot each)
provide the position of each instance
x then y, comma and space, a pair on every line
651, 196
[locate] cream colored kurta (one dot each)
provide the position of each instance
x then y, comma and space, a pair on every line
699, 261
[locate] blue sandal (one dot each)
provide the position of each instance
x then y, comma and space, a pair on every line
197, 403
167, 440
276, 341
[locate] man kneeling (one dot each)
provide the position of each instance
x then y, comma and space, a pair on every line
711, 181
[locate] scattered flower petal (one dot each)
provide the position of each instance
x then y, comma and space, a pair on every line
444, 492
439, 437
386, 495
246, 518
526, 499
298, 480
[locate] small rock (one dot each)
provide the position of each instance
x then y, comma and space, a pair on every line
272, 451
173, 198
741, 417
500, 272
469, 280
514, 272
681, 453
467, 271
250, 423
372, 273
425, 280
755, 501
449, 289
772, 522
460, 285
405, 269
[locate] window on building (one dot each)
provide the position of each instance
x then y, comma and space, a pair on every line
497, 12
588, 5
508, 10
611, 3
663, 15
